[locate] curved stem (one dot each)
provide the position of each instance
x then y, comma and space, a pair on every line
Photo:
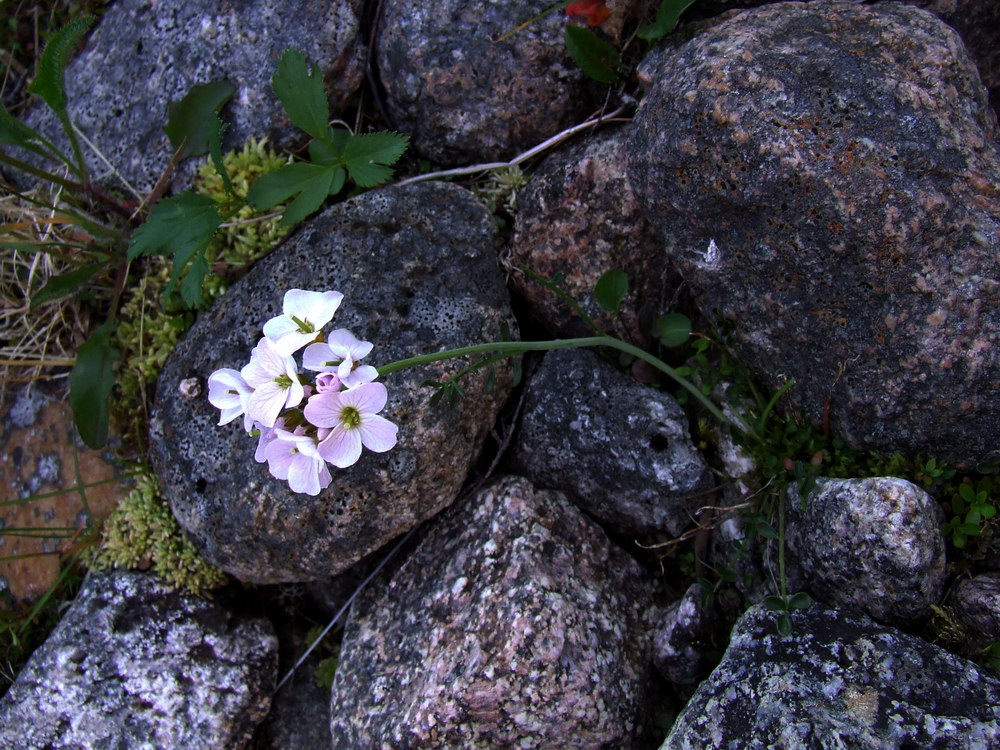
517, 347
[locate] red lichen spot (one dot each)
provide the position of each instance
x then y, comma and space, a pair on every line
595, 11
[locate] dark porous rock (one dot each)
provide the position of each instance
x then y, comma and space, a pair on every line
975, 603
619, 449
683, 639
578, 216
873, 545
465, 98
135, 664
516, 623
838, 681
419, 273
144, 55
824, 176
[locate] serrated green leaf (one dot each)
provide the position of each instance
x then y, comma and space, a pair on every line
596, 57
90, 385
191, 120
65, 284
193, 278
278, 186
667, 17
180, 227
16, 133
50, 83
673, 329
369, 156
610, 289
216, 132
312, 195
302, 94
339, 178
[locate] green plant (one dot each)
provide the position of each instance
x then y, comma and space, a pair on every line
971, 506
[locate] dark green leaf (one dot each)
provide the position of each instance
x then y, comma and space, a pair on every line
67, 283
775, 604
801, 600
339, 178
611, 288
215, 152
988, 511
329, 152
181, 226
191, 286
313, 193
368, 156
765, 530
967, 492
667, 16
278, 186
302, 94
16, 133
596, 57
673, 329
90, 384
49, 83
192, 120
783, 625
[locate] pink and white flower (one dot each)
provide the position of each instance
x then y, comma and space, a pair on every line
275, 380
304, 313
295, 458
353, 418
230, 393
341, 353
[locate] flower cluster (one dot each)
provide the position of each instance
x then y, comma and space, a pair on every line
342, 402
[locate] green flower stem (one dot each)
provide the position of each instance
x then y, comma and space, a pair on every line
511, 348
781, 548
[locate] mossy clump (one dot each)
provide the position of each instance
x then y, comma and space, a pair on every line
142, 533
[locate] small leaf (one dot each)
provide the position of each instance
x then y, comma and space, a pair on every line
368, 156
191, 120
801, 600
65, 284
765, 530
180, 226
967, 492
337, 183
191, 286
302, 94
215, 152
301, 177
50, 82
596, 57
610, 289
775, 604
783, 625
988, 511
16, 133
667, 17
673, 329
90, 385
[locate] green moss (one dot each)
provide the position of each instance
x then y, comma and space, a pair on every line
142, 533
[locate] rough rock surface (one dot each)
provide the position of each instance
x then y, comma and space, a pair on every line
578, 216
145, 54
824, 174
135, 664
620, 450
838, 680
976, 605
683, 639
870, 545
464, 98
515, 624
419, 273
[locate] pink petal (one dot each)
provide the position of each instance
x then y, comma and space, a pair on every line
316, 356
323, 409
378, 434
265, 404
368, 398
341, 447
360, 376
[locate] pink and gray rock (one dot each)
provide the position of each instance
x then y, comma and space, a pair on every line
684, 640
516, 623
465, 98
579, 217
620, 450
869, 545
824, 175
135, 664
419, 273
839, 680
145, 54
975, 603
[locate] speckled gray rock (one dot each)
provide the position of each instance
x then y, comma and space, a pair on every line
838, 681
419, 273
145, 54
843, 159
683, 639
464, 98
133, 664
578, 216
516, 623
975, 603
619, 449
869, 545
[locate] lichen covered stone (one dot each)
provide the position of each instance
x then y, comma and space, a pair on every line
135, 664
515, 623
419, 273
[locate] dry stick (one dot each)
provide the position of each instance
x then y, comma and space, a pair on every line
343, 609
531, 152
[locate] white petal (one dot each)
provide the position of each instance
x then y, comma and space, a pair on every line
323, 409
266, 363
303, 475
276, 328
316, 356
369, 398
342, 447
314, 308
377, 434
360, 376
265, 403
